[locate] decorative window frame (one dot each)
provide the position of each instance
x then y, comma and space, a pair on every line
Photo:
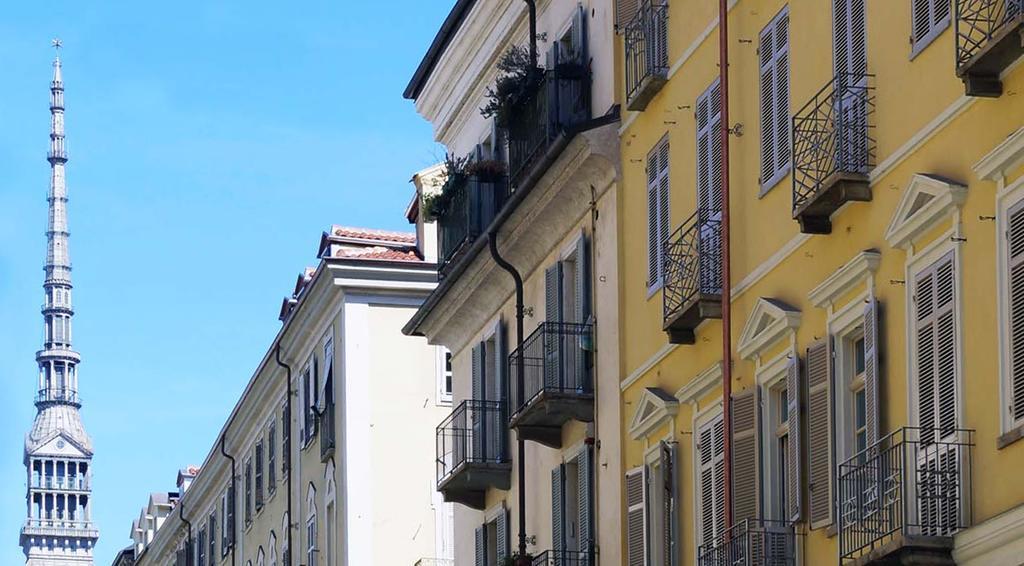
701, 417
859, 270
769, 322
312, 518
995, 166
444, 399
769, 376
654, 409
912, 220
844, 326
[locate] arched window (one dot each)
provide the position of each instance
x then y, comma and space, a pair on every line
311, 528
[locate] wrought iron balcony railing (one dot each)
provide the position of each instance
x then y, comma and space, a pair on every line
472, 203
646, 50
989, 37
911, 486
471, 451
62, 395
833, 150
693, 276
751, 542
557, 383
327, 431
562, 558
556, 107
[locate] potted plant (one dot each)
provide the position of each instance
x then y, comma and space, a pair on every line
517, 75
435, 205
487, 170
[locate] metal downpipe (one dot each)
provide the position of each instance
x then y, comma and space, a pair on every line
492, 243
723, 70
231, 488
288, 456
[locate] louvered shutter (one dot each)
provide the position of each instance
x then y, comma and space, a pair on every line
745, 479
663, 204
582, 306
248, 491
259, 475
553, 312
819, 432
657, 211
794, 388
553, 293
213, 537
557, 499
669, 503
477, 412
501, 377
849, 36
709, 150
774, 64
477, 372
480, 545
635, 517
928, 18
625, 11
501, 531
579, 36
936, 350
584, 472
872, 345
711, 450
1015, 247
230, 526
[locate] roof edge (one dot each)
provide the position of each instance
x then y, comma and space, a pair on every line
437, 48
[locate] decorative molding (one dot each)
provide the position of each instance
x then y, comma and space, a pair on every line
999, 540
860, 268
1007, 155
927, 199
699, 386
652, 361
654, 409
768, 323
769, 264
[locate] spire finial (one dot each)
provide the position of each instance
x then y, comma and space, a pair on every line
57, 44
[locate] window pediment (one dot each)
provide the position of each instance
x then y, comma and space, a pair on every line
770, 321
855, 271
1007, 155
927, 200
654, 409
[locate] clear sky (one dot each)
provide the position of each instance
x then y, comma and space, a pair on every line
210, 142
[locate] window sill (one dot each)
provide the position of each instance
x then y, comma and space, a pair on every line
917, 48
1009, 437
773, 181
653, 289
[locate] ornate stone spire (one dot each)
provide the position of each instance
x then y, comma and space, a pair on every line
58, 452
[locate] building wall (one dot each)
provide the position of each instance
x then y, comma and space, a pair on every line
924, 124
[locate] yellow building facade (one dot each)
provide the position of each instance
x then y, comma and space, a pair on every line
876, 177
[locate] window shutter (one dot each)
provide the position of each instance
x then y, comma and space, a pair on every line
819, 432
1015, 245
259, 475
584, 474
230, 525
745, 480
921, 19
304, 398
553, 312
871, 369
286, 434
553, 293
709, 149
711, 448
477, 372
657, 211
213, 537
794, 387
774, 64
579, 36
480, 542
498, 437
849, 36
557, 484
501, 529
248, 491
625, 11
582, 280
936, 350
766, 52
635, 517
272, 458
669, 523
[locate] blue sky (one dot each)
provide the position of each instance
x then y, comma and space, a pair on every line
211, 143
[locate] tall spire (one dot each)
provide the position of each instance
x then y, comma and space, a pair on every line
58, 453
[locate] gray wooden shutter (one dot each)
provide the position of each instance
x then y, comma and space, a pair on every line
557, 484
819, 432
927, 16
669, 503
745, 479
657, 211
582, 280
871, 369
579, 35
773, 56
480, 545
230, 526
585, 495
849, 36
501, 529
553, 313
936, 350
553, 293
1015, 248
711, 447
794, 387
625, 11
709, 149
477, 372
635, 517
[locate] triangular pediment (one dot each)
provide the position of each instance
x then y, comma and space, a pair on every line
654, 409
926, 202
60, 445
768, 323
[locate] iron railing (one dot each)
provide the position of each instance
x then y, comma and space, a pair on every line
646, 46
473, 433
327, 430
692, 262
471, 204
979, 21
561, 558
751, 542
915, 481
61, 395
833, 134
555, 359
557, 105
76, 483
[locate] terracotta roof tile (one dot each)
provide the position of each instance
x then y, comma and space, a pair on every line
371, 234
377, 252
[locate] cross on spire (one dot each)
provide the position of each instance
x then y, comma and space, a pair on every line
57, 44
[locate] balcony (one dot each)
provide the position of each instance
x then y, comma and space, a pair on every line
562, 558
472, 455
71, 483
59, 528
543, 122
902, 499
833, 151
989, 37
757, 542
557, 383
69, 396
471, 203
327, 432
692, 291
646, 53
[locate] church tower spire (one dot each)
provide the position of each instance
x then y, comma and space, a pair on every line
58, 530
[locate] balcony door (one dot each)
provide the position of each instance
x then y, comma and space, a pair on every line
709, 189
849, 41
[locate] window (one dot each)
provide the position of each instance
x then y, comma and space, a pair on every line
651, 522
248, 492
227, 520
271, 458
1013, 311
777, 446
860, 421
710, 477
259, 475
773, 55
311, 541
929, 18
935, 350
657, 213
444, 376
286, 436
201, 547
491, 540
212, 528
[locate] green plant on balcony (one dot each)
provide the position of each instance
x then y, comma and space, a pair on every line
517, 75
487, 170
435, 204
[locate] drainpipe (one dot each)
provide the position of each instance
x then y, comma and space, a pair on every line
188, 545
288, 457
723, 70
533, 31
234, 534
492, 242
